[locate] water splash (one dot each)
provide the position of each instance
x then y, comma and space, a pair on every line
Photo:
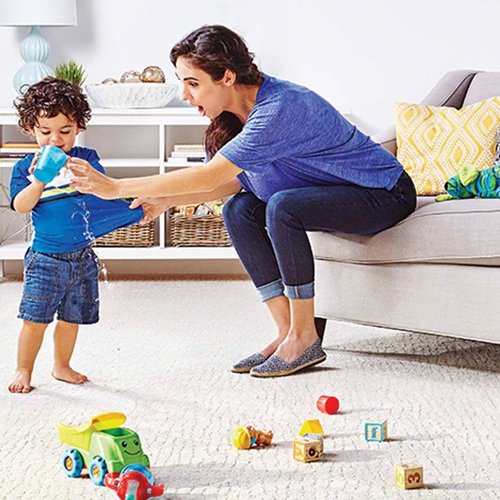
85, 214
104, 271
108, 285
88, 234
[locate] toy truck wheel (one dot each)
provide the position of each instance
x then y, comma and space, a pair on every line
98, 470
72, 463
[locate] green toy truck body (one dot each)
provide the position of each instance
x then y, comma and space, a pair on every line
101, 446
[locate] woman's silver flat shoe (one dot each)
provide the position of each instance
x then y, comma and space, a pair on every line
278, 367
245, 365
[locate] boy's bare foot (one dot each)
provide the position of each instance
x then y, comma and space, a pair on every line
21, 382
67, 374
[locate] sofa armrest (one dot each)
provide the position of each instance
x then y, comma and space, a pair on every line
449, 91
387, 139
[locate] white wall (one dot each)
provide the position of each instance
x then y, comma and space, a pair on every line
361, 55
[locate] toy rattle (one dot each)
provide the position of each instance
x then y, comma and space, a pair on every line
247, 437
135, 482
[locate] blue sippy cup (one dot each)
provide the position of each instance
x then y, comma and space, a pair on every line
50, 161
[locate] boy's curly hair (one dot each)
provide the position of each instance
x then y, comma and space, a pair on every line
48, 98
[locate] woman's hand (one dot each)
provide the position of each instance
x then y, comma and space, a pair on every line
89, 180
152, 207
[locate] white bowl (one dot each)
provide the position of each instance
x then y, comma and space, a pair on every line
131, 95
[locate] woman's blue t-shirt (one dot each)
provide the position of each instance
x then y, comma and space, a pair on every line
65, 220
295, 138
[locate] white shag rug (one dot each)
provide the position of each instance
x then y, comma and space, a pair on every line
161, 354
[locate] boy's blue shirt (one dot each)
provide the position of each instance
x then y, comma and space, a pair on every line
65, 220
294, 138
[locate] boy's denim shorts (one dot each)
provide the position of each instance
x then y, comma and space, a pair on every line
66, 283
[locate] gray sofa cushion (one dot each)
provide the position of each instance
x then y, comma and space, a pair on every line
483, 86
454, 232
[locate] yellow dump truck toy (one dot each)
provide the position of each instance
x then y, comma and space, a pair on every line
101, 446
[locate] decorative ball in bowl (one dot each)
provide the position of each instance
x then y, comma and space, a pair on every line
131, 95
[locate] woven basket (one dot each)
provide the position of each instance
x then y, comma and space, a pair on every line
136, 235
197, 231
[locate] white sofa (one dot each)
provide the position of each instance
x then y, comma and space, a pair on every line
438, 271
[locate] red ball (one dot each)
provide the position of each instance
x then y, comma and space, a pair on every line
328, 404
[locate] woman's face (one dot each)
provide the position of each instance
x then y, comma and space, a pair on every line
199, 89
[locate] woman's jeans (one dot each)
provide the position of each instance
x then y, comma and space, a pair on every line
271, 241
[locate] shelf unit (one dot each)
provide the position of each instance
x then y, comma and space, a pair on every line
158, 130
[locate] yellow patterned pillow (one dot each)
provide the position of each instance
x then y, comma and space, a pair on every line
434, 142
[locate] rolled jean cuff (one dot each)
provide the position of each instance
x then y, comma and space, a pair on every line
305, 291
271, 290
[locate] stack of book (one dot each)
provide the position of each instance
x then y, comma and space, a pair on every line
13, 151
185, 154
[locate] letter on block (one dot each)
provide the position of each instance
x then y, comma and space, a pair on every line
409, 477
307, 450
376, 431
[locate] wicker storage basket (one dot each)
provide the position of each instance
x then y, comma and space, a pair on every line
197, 231
136, 235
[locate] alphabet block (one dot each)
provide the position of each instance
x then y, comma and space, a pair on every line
409, 477
376, 431
307, 450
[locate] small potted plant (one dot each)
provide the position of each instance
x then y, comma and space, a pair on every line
71, 71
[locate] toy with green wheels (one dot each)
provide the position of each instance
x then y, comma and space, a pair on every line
101, 446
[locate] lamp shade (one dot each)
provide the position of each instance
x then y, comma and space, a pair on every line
38, 13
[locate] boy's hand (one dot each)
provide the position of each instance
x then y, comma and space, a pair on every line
152, 207
89, 180
33, 162
32, 169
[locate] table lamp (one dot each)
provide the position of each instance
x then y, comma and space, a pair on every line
35, 48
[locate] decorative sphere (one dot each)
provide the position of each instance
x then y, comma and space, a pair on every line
152, 74
108, 81
130, 76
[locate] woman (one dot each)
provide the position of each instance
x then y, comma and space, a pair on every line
293, 164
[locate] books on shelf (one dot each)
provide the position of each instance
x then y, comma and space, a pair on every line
185, 154
188, 160
16, 150
189, 148
14, 155
20, 145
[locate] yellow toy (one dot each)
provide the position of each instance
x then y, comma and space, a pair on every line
307, 449
247, 437
311, 427
409, 477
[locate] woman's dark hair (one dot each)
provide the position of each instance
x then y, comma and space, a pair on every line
48, 98
214, 49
